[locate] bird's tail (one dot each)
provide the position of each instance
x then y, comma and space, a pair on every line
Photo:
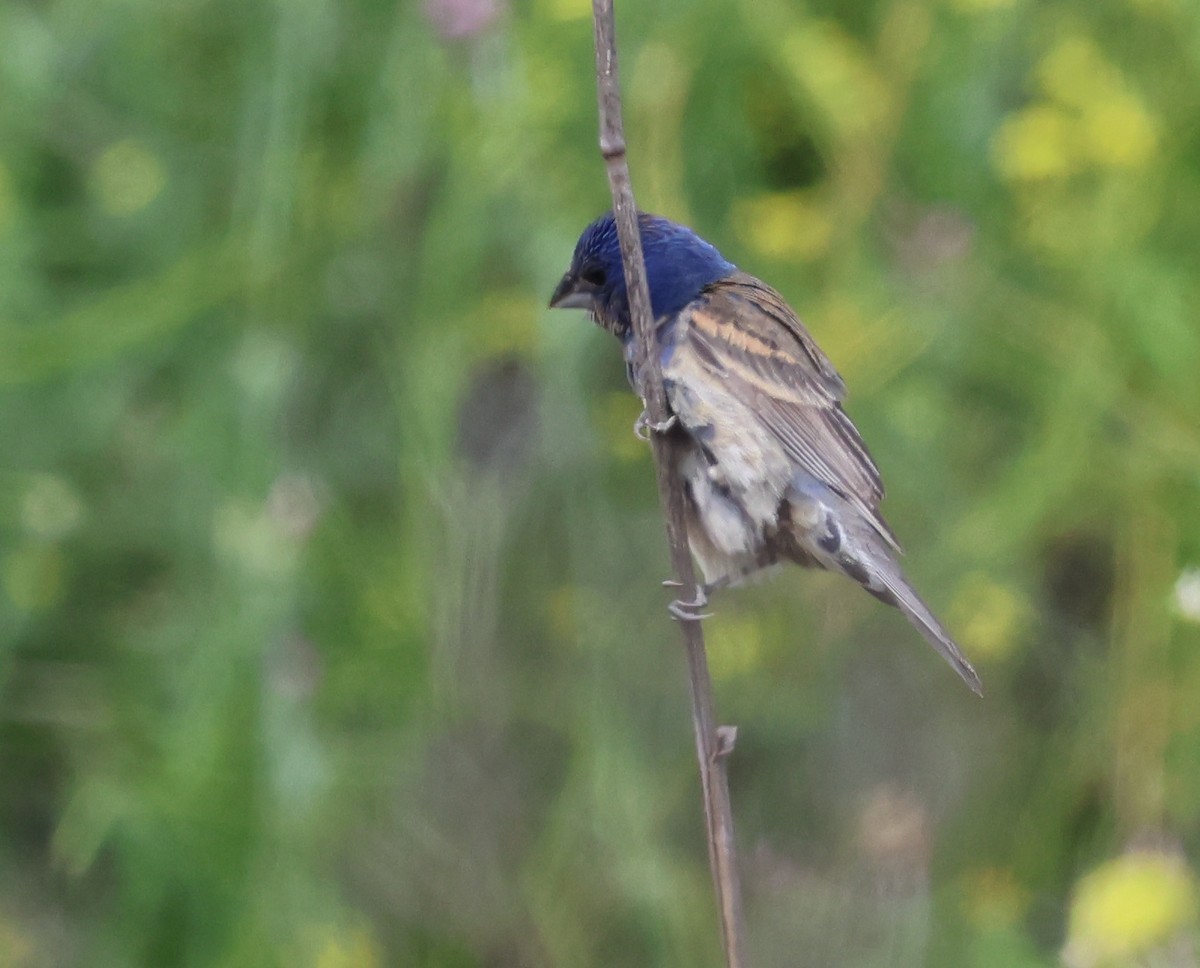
901, 594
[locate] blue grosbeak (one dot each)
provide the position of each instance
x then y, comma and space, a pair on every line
773, 469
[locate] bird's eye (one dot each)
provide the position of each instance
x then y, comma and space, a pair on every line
593, 276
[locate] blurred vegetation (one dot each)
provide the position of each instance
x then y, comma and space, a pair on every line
330, 626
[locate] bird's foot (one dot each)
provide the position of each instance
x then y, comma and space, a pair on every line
643, 426
689, 611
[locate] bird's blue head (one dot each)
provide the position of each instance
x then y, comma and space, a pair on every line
678, 265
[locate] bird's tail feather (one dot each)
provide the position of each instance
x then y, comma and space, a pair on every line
904, 597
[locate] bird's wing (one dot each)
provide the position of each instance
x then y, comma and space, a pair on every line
746, 344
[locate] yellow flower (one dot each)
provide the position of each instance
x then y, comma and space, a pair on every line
1035, 144
1075, 73
1127, 906
784, 225
989, 616
1119, 133
1089, 119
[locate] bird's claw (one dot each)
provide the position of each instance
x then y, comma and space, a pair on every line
644, 425
689, 611
685, 612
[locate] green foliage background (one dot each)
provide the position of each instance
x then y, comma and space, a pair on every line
330, 626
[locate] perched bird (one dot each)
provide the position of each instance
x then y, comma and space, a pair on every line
773, 469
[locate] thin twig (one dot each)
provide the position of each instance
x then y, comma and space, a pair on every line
712, 746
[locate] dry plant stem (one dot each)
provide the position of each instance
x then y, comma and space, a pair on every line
711, 749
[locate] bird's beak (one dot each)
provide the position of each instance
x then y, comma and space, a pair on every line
572, 293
